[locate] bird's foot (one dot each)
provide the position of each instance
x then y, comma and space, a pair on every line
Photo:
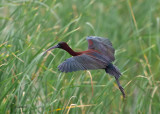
122, 90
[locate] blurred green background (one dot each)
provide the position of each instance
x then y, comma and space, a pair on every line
31, 83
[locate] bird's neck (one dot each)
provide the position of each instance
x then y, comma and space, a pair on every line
70, 51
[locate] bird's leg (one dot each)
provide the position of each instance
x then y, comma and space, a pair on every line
120, 87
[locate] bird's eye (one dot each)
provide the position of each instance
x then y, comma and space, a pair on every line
58, 45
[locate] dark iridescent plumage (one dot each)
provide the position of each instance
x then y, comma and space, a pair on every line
85, 61
100, 55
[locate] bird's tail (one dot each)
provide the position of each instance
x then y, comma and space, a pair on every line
113, 70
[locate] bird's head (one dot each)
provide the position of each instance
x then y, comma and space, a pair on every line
61, 45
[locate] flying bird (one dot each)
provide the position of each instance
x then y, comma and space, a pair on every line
100, 55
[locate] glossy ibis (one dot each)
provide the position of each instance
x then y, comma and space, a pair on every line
100, 55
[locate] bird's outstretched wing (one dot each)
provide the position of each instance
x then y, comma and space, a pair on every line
87, 61
102, 45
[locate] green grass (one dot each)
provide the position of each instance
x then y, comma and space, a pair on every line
31, 83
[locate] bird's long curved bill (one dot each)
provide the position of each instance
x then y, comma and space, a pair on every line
50, 49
